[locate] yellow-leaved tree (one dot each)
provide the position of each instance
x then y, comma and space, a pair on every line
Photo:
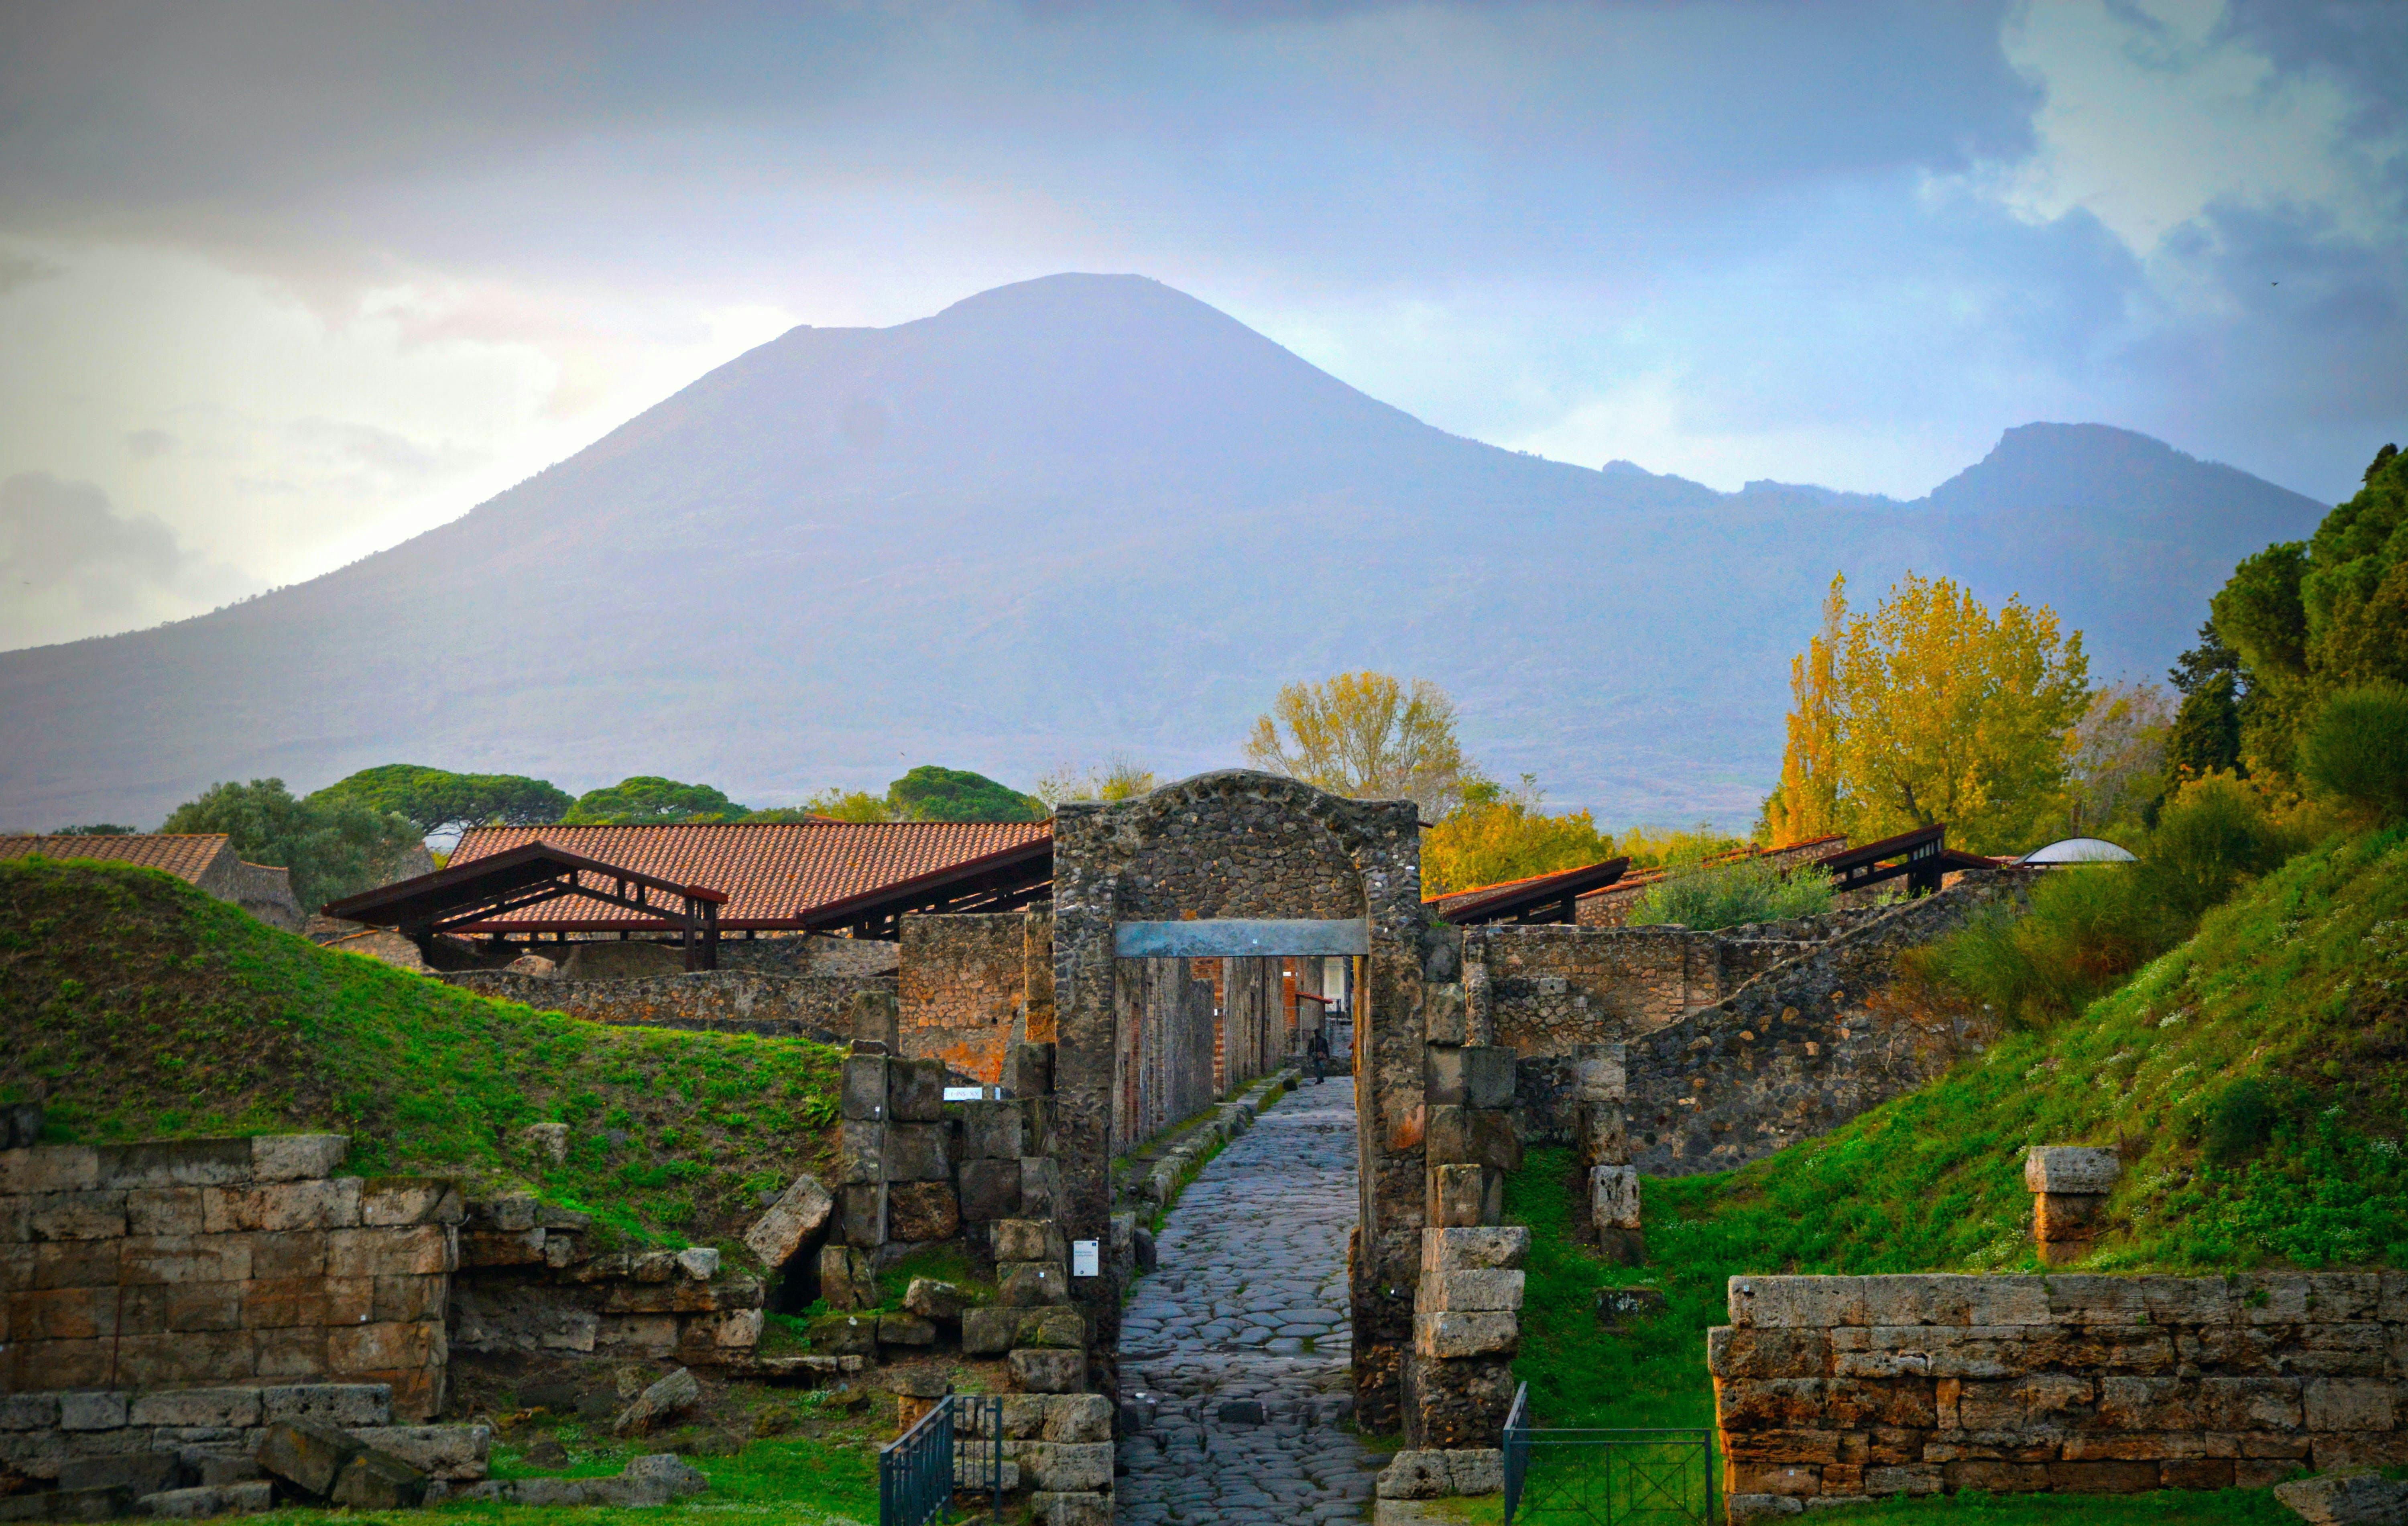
1498, 834
1367, 736
1931, 709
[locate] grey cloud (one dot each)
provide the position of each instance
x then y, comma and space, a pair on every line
17, 270
149, 445
57, 532
395, 455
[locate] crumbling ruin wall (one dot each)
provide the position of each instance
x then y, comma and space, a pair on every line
1612, 906
1828, 1390
964, 989
209, 1262
1803, 1048
707, 1000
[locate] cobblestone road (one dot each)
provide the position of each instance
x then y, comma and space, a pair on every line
1239, 1342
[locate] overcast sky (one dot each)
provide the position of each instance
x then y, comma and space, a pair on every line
282, 284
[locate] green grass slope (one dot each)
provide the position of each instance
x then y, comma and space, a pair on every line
2255, 1080
135, 1007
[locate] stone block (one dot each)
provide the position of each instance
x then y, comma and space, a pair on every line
877, 1016
143, 1473
1067, 1467
1040, 1186
861, 1215
915, 1091
1604, 1137
920, 1212
1732, 1352
1503, 1246
315, 1204
1599, 1073
1060, 1326
1469, 1290
1769, 1403
1078, 1418
388, 1201
61, 1313
197, 1406
1476, 1470
1745, 1507
76, 1215
453, 1452
344, 1405
49, 1168
153, 1211
1077, 1508
1792, 1479
1028, 1070
419, 1251
905, 1330
377, 1347
1049, 1370
199, 1504
1473, 1136
1911, 1479
1613, 1197
989, 1332
990, 1190
863, 1099
28, 1411
2071, 1168
1443, 1020
305, 1455
1416, 1474
93, 1411
2249, 1403
2103, 1478
374, 1480
918, 1152
1488, 1075
1463, 1196
845, 1335
2349, 1404
1447, 1333
862, 1153
181, 1163
1028, 1240
849, 1278
1443, 1073
1031, 1284
1995, 1476
993, 1130
2359, 1500
292, 1157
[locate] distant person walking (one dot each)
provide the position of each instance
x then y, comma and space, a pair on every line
1318, 1052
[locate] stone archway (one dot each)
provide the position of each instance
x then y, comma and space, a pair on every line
1239, 863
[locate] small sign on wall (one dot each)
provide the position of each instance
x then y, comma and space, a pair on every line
1086, 1259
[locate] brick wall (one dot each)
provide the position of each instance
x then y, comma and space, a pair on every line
221, 1261
712, 1001
964, 989
1842, 1388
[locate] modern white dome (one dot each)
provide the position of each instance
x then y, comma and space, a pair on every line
2079, 850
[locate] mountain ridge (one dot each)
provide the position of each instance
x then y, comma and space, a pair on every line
1076, 515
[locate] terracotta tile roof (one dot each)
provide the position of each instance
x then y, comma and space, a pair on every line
187, 855
771, 871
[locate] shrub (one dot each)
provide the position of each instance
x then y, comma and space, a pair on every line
2241, 1119
2087, 929
2214, 834
1732, 894
2357, 748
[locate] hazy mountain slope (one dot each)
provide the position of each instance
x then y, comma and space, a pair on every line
1065, 516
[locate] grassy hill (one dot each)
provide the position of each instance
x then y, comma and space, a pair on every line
135, 1007
2255, 1080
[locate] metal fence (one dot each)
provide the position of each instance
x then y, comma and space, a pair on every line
1562, 1476
919, 1471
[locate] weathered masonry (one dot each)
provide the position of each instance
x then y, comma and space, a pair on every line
1829, 1390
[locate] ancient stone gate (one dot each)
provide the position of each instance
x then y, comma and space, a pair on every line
1240, 865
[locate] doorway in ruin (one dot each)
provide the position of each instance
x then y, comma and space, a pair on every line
1268, 877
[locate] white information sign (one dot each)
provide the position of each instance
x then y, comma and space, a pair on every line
1086, 1259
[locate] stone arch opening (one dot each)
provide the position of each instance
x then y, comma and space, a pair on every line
1245, 866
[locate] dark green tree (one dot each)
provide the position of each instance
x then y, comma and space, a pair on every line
441, 803
930, 793
647, 800
98, 828
2206, 736
333, 850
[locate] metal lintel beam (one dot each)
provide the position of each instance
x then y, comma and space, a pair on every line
1241, 938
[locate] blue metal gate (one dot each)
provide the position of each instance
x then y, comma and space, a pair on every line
918, 1470
1609, 1478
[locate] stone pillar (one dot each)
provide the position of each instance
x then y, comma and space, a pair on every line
2070, 1184
1467, 1326
1469, 1142
1604, 1141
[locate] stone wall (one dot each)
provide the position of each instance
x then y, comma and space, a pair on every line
708, 1001
221, 1261
528, 1281
1170, 1052
1832, 1389
86, 1441
964, 989
1801, 1049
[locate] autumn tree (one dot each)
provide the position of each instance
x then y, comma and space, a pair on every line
2118, 764
1805, 805
1496, 834
1931, 709
1367, 736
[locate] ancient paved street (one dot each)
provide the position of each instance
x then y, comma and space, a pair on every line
1241, 1339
